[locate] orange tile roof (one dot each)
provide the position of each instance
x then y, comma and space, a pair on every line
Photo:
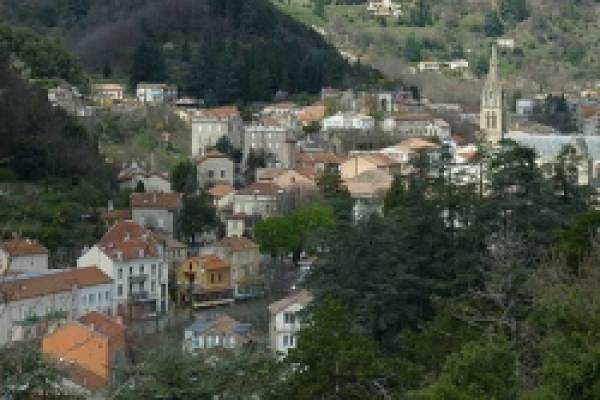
220, 112
589, 110
380, 160
312, 114
212, 263
103, 324
168, 201
127, 240
58, 282
220, 190
237, 243
22, 247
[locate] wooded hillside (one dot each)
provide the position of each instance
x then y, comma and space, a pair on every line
224, 50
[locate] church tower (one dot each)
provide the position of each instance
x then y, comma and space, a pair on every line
492, 119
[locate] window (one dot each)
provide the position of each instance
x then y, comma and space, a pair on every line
130, 271
220, 277
211, 174
153, 286
222, 173
288, 341
292, 340
106, 295
153, 269
120, 273
84, 300
212, 278
120, 290
141, 269
92, 299
289, 318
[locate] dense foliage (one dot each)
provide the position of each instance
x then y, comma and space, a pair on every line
226, 50
42, 58
40, 141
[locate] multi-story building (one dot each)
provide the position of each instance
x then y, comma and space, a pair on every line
156, 93
35, 304
204, 281
157, 211
409, 125
133, 258
23, 255
285, 321
215, 168
276, 140
243, 256
210, 125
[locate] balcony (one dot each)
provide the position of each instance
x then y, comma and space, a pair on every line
140, 278
140, 295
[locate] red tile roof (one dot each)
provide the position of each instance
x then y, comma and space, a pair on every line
220, 190
57, 282
220, 112
103, 324
237, 243
261, 188
127, 240
22, 247
166, 201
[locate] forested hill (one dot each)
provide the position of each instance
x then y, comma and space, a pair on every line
224, 50
39, 141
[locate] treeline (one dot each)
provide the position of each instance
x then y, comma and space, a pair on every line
223, 50
42, 58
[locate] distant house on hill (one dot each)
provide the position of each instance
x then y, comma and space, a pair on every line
156, 93
105, 93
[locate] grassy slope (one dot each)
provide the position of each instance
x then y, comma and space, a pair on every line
546, 39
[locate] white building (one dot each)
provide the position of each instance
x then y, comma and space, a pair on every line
384, 8
222, 332
349, 121
210, 125
37, 303
274, 139
107, 91
285, 321
131, 256
156, 93
23, 255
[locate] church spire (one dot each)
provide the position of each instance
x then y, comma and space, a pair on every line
493, 73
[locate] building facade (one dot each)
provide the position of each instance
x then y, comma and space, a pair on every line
134, 260
210, 125
492, 118
36, 304
285, 321
215, 168
23, 255
157, 211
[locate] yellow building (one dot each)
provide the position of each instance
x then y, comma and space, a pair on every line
204, 281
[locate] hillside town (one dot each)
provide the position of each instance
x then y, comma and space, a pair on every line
363, 241
144, 277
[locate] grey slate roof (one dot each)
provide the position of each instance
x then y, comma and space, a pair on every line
548, 147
